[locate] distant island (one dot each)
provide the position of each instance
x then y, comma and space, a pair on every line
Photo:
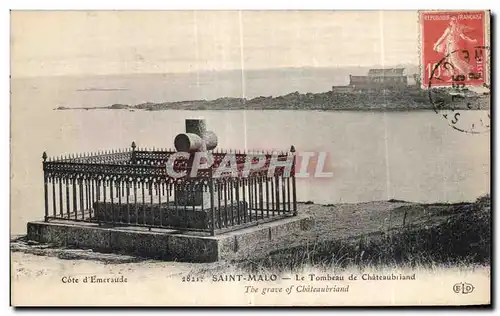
403, 100
384, 89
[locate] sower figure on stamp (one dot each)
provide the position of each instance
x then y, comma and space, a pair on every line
448, 44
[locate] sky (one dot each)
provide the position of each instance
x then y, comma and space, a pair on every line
50, 43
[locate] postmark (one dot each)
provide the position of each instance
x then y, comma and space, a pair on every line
455, 67
464, 108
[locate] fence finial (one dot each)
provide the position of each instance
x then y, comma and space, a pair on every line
133, 146
292, 149
44, 156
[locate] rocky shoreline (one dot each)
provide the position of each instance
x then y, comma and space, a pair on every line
405, 100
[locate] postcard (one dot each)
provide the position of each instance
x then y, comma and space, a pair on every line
250, 158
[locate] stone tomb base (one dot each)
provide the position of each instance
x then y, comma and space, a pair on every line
170, 244
167, 214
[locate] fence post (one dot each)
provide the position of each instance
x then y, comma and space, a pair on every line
212, 213
133, 158
294, 188
45, 191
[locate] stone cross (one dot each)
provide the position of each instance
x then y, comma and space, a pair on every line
196, 139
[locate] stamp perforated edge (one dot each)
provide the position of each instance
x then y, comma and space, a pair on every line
486, 34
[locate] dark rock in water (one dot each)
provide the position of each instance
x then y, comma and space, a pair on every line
396, 201
119, 106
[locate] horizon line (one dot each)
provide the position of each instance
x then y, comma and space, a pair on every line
212, 71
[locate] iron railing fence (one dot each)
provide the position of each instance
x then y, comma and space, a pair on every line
133, 188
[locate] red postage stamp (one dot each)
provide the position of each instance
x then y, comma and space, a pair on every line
454, 48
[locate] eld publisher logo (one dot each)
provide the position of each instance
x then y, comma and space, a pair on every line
463, 288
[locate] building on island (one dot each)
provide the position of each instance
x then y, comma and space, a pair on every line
377, 79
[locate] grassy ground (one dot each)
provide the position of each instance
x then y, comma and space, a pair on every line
393, 233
